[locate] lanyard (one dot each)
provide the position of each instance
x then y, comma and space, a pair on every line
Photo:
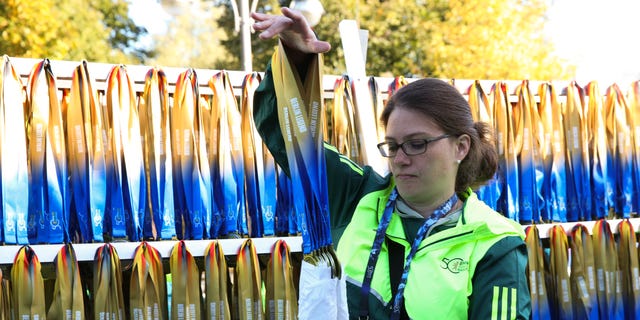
377, 246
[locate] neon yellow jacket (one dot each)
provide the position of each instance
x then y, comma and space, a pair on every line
441, 280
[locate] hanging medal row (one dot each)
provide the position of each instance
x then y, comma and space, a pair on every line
142, 288
584, 272
85, 165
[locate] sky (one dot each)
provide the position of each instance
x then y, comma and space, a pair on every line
595, 35
599, 37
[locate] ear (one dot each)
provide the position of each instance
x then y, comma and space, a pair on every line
463, 144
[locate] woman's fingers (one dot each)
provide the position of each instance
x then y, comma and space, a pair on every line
292, 28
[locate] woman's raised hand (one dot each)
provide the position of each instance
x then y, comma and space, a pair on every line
293, 30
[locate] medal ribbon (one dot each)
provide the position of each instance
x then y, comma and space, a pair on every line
621, 146
154, 125
633, 105
68, 298
230, 155
47, 157
5, 298
265, 167
378, 106
108, 300
527, 142
27, 285
286, 218
606, 266
376, 247
552, 155
601, 185
299, 112
507, 174
535, 271
397, 83
127, 179
193, 190
280, 285
583, 277
86, 155
559, 267
629, 271
147, 294
248, 283
482, 110
344, 134
575, 132
218, 285
13, 156
185, 280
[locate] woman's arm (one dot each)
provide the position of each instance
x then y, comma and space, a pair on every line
347, 182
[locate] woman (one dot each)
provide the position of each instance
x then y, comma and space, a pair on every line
432, 248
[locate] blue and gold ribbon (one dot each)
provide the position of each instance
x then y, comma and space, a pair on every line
248, 283
147, 287
540, 309
27, 285
13, 156
86, 155
257, 158
561, 297
552, 155
217, 283
68, 297
185, 281
629, 271
344, 129
300, 115
482, 110
154, 126
621, 149
608, 286
193, 190
280, 284
108, 299
576, 133
126, 202
230, 156
48, 196
507, 174
633, 104
601, 185
583, 274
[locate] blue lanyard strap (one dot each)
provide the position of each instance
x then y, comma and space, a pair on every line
377, 246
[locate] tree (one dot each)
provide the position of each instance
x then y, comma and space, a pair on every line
261, 49
464, 39
193, 38
123, 31
97, 30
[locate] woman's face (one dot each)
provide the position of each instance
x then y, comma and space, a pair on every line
425, 180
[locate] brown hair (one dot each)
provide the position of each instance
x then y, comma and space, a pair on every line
444, 104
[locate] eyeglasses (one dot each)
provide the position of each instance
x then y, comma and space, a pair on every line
410, 147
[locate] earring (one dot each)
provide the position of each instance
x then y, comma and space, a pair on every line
458, 161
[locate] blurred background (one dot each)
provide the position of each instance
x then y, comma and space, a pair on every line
462, 39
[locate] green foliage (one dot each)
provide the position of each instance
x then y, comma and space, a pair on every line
462, 39
123, 32
261, 50
97, 30
193, 38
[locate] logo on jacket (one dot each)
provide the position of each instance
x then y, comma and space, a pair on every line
455, 265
